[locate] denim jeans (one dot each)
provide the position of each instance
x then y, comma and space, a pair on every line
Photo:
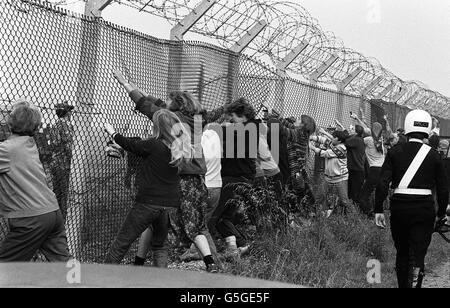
341, 189
141, 217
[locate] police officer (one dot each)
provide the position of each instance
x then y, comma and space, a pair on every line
414, 169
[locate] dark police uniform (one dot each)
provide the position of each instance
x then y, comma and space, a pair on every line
412, 210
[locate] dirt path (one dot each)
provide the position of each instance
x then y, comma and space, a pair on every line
439, 277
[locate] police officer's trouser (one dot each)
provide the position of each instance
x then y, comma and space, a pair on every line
412, 229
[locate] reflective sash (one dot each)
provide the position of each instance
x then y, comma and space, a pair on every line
411, 172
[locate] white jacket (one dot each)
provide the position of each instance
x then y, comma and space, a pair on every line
212, 150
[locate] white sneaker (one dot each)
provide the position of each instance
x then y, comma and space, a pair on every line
244, 250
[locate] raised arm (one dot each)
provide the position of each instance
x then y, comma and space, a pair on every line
286, 128
138, 147
388, 127
361, 122
145, 103
339, 125
319, 139
129, 86
325, 133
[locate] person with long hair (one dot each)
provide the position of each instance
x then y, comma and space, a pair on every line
240, 149
158, 184
190, 221
298, 133
375, 153
35, 220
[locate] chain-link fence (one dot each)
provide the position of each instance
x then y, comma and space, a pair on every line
50, 55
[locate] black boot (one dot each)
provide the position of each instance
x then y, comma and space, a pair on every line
404, 278
418, 277
138, 261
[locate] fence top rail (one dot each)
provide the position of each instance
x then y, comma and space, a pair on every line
45, 5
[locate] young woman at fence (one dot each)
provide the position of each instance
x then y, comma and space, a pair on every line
240, 147
158, 193
298, 134
375, 153
336, 171
35, 219
190, 222
212, 149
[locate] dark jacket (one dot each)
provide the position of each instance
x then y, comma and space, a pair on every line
149, 105
355, 153
158, 181
240, 150
430, 175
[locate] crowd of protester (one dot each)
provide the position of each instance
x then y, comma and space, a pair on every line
189, 172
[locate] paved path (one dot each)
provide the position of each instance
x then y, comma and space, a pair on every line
54, 275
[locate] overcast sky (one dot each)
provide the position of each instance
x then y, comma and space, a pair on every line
411, 38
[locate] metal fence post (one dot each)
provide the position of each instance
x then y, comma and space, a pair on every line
85, 94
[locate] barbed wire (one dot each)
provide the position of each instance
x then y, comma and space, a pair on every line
290, 24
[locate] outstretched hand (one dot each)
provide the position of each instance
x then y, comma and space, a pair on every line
339, 124
380, 221
109, 129
119, 76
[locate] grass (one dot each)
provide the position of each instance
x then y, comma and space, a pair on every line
331, 253
327, 253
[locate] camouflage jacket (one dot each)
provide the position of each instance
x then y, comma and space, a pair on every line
61, 141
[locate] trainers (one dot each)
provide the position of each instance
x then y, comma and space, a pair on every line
190, 255
244, 250
212, 268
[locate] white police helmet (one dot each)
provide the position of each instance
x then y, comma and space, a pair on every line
418, 121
